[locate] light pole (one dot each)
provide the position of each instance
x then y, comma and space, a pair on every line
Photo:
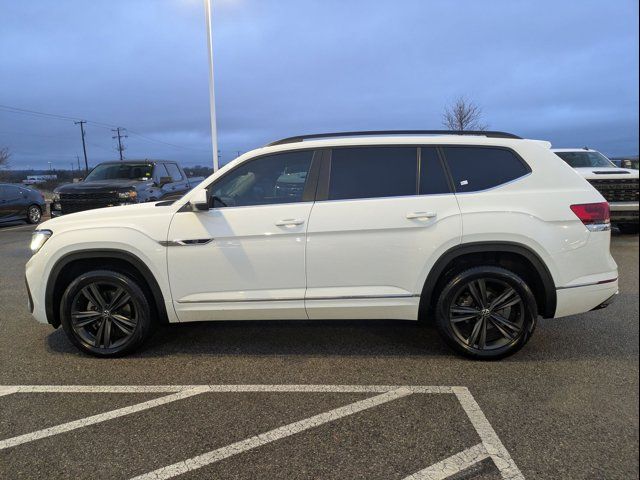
212, 98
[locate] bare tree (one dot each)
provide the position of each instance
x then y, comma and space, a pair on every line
463, 115
4, 160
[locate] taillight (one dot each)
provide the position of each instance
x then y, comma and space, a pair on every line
595, 216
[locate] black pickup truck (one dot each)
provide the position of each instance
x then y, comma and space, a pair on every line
110, 184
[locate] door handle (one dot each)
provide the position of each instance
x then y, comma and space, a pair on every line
418, 215
289, 221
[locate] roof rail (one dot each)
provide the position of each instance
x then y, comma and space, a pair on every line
481, 133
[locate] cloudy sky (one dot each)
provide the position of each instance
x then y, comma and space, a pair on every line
566, 71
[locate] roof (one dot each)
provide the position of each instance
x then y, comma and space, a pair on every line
378, 133
136, 160
582, 149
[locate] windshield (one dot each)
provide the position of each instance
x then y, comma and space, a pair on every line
585, 159
121, 171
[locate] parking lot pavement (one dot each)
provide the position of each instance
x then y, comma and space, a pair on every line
563, 407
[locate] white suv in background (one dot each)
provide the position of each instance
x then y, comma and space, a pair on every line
480, 233
619, 186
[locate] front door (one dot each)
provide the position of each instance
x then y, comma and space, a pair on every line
245, 257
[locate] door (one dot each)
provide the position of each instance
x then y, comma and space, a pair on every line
382, 214
12, 203
245, 257
180, 186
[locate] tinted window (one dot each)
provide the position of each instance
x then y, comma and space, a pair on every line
120, 171
11, 192
368, 172
432, 177
277, 178
585, 159
479, 168
174, 171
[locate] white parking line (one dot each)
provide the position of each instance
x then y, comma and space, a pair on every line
490, 440
102, 417
271, 436
491, 446
224, 388
452, 465
8, 390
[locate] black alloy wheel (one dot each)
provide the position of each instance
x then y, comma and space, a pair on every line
105, 313
34, 214
486, 312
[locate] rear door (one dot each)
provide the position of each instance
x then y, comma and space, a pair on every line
382, 215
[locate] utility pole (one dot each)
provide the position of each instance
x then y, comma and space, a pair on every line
119, 136
84, 147
78, 158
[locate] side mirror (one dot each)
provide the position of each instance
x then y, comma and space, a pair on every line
164, 180
200, 200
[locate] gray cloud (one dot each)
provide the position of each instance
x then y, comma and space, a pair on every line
563, 71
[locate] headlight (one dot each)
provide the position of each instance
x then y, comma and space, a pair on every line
39, 238
128, 195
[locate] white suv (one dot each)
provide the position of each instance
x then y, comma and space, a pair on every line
480, 233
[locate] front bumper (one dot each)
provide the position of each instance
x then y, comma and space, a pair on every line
29, 299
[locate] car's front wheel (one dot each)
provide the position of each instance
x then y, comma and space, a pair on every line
105, 313
486, 312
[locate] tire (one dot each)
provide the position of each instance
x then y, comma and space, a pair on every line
111, 324
469, 317
34, 214
628, 228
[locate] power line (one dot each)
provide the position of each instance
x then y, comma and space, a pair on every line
24, 111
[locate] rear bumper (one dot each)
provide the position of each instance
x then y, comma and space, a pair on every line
607, 302
584, 298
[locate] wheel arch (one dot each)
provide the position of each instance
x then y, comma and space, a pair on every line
119, 260
496, 253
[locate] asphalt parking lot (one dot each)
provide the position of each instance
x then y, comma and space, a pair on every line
374, 400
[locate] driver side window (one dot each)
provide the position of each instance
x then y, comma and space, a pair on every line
278, 178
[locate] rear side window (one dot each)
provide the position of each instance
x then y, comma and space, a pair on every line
479, 168
372, 172
433, 180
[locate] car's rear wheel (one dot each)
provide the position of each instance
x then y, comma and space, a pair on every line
486, 312
34, 214
105, 313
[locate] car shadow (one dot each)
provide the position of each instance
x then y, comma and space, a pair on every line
304, 338
14, 223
